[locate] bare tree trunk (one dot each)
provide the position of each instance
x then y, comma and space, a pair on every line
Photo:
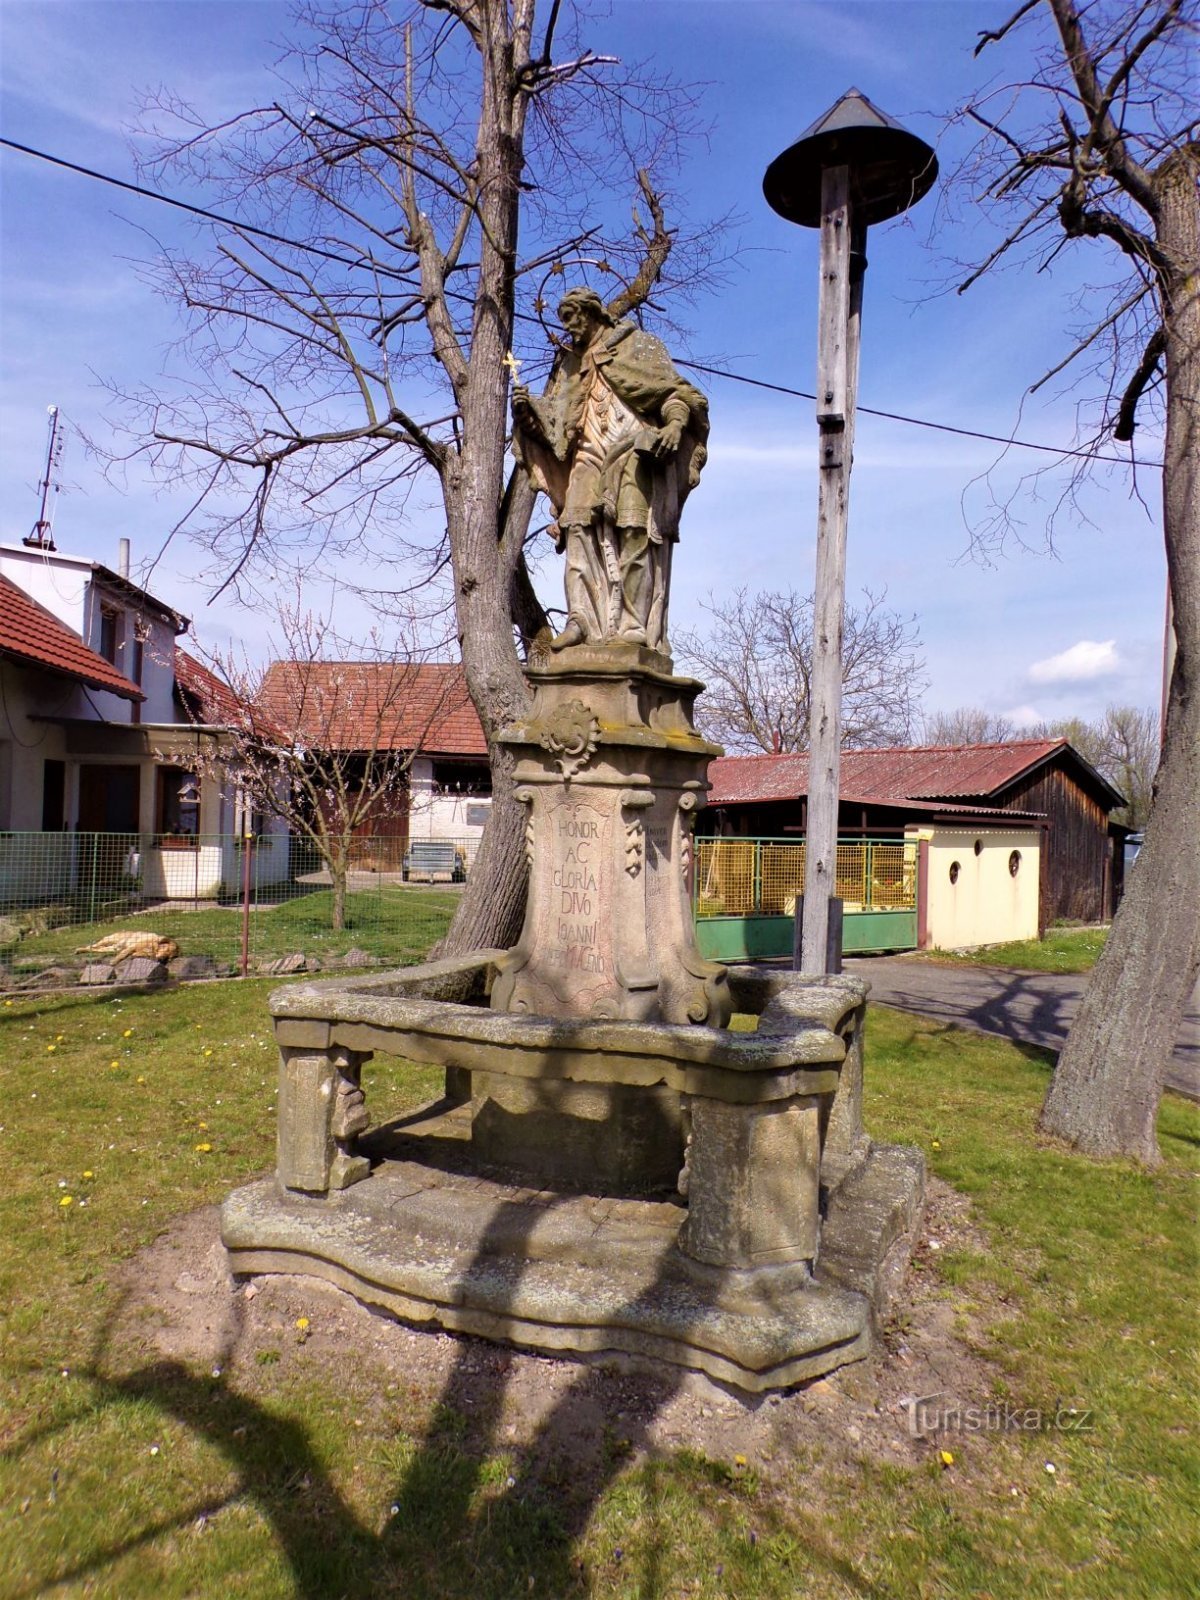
1106, 1089
485, 557
338, 874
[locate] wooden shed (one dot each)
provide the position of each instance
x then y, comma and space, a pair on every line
1042, 781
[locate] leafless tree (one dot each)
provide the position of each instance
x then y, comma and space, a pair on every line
1096, 145
1123, 745
428, 178
756, 659
321, 738
966, 725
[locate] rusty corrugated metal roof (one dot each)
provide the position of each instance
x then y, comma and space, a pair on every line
897, 777
35, 637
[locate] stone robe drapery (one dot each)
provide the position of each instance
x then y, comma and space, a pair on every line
617, 505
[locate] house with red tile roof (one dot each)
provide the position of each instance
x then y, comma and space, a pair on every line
422, 708
98, 738
1044, 784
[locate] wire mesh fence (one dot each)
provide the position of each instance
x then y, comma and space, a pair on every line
764, 877
78, 907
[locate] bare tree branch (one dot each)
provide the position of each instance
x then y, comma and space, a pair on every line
756, 660
1151, 360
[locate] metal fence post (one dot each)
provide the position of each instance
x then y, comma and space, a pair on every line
245, 904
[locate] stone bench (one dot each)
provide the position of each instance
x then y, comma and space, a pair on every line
433, 858
760, 1108
764, 1257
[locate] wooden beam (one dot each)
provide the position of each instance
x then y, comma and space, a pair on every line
833, 306
839, 319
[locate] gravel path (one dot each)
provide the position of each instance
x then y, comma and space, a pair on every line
1029, 1007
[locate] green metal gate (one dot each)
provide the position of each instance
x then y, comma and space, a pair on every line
745, 893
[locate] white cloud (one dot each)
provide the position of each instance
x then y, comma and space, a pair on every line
1024, 716
1080, 664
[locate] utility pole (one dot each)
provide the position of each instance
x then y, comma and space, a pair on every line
855, 166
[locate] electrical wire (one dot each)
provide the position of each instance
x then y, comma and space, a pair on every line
199, 211
696, 366
923, 422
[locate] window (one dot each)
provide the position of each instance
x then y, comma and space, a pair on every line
178, 805
1014, 863
955, 869
109, 629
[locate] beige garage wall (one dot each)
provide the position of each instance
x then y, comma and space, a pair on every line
988, 903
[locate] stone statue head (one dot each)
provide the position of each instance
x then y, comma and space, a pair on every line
578, 307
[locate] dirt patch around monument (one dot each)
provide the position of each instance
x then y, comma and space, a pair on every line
568, 1418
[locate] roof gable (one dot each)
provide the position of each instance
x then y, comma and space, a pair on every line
35, 637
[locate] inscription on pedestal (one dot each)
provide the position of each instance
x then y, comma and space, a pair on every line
578, 843
573, 938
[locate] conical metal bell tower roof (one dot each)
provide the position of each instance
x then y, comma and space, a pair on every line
890, 168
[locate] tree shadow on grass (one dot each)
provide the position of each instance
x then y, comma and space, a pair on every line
470, 1515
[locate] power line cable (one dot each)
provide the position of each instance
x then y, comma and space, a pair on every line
922, 422
200, 211
696, 366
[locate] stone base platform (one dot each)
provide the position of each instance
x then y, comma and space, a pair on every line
432, 1242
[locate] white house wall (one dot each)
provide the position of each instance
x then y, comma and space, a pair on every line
25, 743
987, 904
69, 589
434, 814
58, 582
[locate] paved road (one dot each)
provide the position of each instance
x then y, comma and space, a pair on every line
1031, 1007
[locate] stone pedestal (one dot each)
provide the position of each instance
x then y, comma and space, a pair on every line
613, 771
626, 1138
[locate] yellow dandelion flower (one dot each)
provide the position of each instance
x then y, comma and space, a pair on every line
141, 1080
51, 1048
302, 1323
88, 1174
60, 1037
946, 1458
936, 1145
739, 1461
208, 1052
203, 1148
114, 1064
128, 1034
203, 1126
67, 1200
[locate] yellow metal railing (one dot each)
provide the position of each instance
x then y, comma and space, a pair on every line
763, 877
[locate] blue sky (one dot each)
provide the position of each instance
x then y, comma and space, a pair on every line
1033, 634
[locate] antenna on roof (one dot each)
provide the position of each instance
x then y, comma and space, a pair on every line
42, 537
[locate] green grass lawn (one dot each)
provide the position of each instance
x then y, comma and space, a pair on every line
396, 923
1062, 950
127, 1476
